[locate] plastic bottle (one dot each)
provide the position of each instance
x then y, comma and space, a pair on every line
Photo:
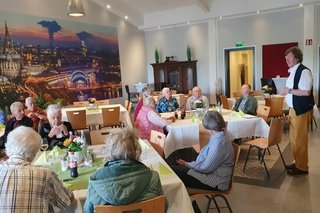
73, 165
84, 143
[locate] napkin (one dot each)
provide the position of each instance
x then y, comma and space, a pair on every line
163, 170
42, 159
239, 114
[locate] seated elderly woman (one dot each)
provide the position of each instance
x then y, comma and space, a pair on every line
18, 119
148, 119
25, 187
212, 170
145, 92
55, 131
167, 103
123, 179
34, 112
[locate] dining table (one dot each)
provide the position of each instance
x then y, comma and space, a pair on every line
94, 116
173, 188
184, 133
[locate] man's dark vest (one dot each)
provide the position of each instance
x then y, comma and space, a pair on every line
301, 104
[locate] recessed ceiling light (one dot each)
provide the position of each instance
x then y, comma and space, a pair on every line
300, 5
188, 22
258, 11
126, 17
220, 17
108, 6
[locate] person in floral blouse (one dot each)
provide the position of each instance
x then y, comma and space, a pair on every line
167, 103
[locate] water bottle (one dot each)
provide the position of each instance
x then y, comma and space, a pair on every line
73, 165
84, 143
219, 107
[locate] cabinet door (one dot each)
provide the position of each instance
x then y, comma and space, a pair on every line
160, 78
189, 77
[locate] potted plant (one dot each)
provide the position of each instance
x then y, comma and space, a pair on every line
74, 144
189, 53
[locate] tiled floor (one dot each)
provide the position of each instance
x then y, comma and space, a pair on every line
296, 194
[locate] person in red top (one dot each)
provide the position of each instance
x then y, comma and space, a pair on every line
35, 113
145, 93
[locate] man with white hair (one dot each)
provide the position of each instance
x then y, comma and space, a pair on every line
34, 112
197, 98
25, 187
167, 103
18, 118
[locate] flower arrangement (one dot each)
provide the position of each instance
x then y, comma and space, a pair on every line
199, 104
267, 89
92, 100
73, 144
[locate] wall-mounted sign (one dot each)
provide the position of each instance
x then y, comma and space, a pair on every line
308, 42
239, 43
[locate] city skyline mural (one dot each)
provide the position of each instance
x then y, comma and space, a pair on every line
57, 59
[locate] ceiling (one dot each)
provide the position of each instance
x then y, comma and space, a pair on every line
149, 14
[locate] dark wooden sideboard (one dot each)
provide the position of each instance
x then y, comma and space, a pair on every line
178, 75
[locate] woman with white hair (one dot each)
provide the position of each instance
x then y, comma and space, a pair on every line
34, 112
145, 92
148, 119
123, 179
25, 187
167, 103
212, 170
55, 131
18, 118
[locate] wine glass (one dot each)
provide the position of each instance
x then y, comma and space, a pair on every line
44, 147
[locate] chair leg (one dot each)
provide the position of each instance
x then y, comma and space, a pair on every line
263, 154
269, 151
265, 166
210, 198
284, 163
245, 163
225, 200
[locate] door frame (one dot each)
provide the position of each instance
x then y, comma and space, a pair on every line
227, 67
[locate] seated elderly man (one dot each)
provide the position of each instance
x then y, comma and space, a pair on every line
195, 98
246, 103
27, 188
123, 179
55, 131
148, 119
34, 112
18, 119
167, 103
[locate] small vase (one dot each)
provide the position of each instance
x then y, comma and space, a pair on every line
91, 106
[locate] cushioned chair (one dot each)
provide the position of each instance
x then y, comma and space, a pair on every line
237, 95
212, 195
154, 205
262, 144
183, 100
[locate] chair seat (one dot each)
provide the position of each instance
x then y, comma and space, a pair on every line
195, 191
259, 142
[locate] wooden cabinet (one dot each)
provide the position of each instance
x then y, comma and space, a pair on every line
178, 75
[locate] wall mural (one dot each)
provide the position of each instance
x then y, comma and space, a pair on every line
57, 59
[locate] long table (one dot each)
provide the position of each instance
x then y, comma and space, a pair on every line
173, 188
94, 116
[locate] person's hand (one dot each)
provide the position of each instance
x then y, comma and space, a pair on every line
63, 129
55, 130
173, 118
181, 162
284, 91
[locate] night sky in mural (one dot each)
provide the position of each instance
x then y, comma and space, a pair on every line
57, 59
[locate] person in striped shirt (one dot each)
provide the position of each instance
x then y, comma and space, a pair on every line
212, 170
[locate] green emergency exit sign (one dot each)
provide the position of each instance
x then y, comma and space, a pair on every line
239, 44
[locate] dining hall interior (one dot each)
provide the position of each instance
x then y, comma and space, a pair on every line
94, 68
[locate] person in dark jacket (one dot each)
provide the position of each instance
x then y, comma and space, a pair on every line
246, 103
123, 179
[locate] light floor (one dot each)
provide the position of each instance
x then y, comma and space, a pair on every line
296, 194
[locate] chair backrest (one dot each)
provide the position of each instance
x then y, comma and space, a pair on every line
78, 119
111, 116
126, 104
183, 100
100, 136
237, 95
173, 91
127, 88
263, 112
129, 108
81, 103
102, 102
276, 129
157, 140
224, 101
276, 106
204, 136
257, 93
153, 205
270, 83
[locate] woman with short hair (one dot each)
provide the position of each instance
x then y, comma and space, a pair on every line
55, 131
123, 179
212, 170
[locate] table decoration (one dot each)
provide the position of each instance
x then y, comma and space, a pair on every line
92, 103
74, 145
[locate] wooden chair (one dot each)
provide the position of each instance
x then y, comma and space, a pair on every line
183, 100
262, 144
153, 205
174, 91
100, 136
157, 140
111, 116
81, 103
257, 93
204, 136
263, 112
237, 95
129, 108
224, 101
78, 119
212, 195
126, 104
276, 106
102, 102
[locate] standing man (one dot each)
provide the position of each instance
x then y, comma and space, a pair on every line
196, 96
299, 97
246, 103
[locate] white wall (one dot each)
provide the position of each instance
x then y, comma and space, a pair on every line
174, 42
131, 40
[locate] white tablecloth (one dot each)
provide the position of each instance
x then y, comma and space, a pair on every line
280, 83
173, 188
95, 116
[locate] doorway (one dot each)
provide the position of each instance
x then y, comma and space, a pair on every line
240, 69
